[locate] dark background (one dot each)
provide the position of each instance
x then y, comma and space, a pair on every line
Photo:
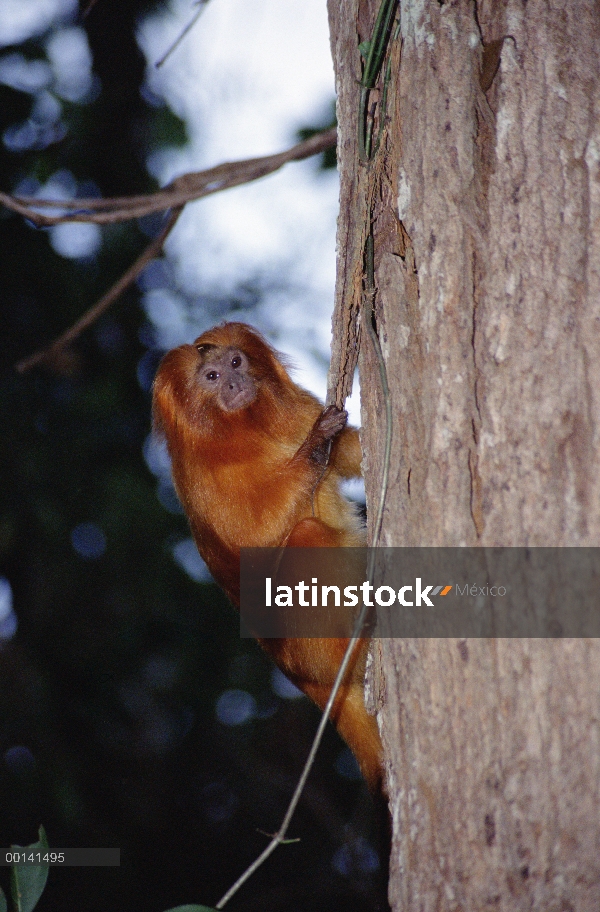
108, 688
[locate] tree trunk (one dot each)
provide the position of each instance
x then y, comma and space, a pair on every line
484, 204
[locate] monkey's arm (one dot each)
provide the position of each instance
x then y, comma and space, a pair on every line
316, 448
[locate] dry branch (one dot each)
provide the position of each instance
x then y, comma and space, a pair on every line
182, 190
102, 305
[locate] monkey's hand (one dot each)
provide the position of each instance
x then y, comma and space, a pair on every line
317, 446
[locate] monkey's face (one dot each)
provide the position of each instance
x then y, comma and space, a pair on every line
224, 373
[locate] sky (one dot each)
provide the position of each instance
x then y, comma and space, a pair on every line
246, 77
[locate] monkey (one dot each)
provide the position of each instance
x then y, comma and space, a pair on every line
257, 462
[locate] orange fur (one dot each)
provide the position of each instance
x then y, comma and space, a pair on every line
246, 478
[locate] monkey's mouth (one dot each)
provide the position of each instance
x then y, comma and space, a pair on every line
233, 400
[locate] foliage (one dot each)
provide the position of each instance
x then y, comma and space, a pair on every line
27, 881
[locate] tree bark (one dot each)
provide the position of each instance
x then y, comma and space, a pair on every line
484, 203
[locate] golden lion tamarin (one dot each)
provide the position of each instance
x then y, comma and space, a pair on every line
257, 462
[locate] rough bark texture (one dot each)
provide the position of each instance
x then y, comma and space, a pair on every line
485, 207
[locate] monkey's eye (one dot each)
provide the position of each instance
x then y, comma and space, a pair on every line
235, 362
212, 376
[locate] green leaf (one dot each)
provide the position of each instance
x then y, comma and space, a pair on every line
3, 906
364, 47
27, 881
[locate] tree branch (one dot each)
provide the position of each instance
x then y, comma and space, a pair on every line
184, 189
118, 209
90, 316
